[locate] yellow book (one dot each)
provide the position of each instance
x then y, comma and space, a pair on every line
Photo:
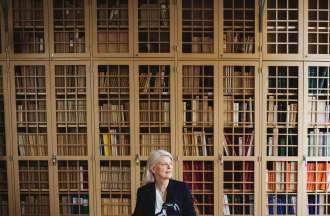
106, 144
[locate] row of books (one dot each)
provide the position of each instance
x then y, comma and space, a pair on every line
151, 44
32, 144
154, 15
280, 143
239, 145
29, 42
280, 112
241, 179
33, 177
198, 111
282, 204
30, 81
199, 176
318, 176
72, 144
71, 83
113, 114
71, 117
238, 112
155, 82
318, 111
318, 204
74, 204
197, 80
35, 204
149, 142
112, 41
112, 11
238, 80
154, 111
73, 177
197, 143
199, 44
114, 144
115, 178
116, 206
318, 141
69, 42
282, 176
114, 79
238, 204
239, 42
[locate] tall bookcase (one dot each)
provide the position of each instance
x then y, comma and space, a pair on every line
236, 90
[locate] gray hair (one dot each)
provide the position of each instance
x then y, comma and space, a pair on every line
153, 158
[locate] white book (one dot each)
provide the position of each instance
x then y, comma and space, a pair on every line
240, 146
226, 210
328, 181
235, 114
270, 146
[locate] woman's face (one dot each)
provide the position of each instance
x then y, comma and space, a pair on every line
163, 169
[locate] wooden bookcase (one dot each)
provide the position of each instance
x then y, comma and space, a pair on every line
69, 28
236, 90
28, 23
239, 23
316, 136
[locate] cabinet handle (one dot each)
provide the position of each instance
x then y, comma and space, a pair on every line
137, 158
54, 159
305, 160
221, 159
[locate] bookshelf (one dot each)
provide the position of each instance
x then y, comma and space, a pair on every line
238, 34
238, 92
115, 181
34, 192
317, 149
282, 29
239, 96
316, 26
70, 96
154, 27
154, 99
31, 99
29, 33
73, 187
197, 23
111, 27
69, 27
282, 137
4, 210
198, 101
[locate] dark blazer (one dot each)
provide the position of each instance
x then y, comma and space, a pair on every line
177, 192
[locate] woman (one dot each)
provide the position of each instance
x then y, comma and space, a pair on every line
161, 195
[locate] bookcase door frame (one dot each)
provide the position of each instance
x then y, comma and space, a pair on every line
4, 42
8, 157
12, 80
91, 178
280, 56
87, 33
257, 44
98, 157
93, 29
179, 125
188, 56
315, 57
172, 38
36, 56
16, 185
138, 158
180, 108
88, 108
264, 158
257, 146
306, 140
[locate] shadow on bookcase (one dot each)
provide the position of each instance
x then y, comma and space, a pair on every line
3, 189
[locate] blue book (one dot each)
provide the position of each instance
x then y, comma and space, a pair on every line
313, 204
270, 207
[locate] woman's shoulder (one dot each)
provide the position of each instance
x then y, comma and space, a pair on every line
179, 184
146, 187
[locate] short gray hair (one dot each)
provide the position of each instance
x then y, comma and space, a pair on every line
153, 158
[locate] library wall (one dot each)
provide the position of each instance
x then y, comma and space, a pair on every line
237, 90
